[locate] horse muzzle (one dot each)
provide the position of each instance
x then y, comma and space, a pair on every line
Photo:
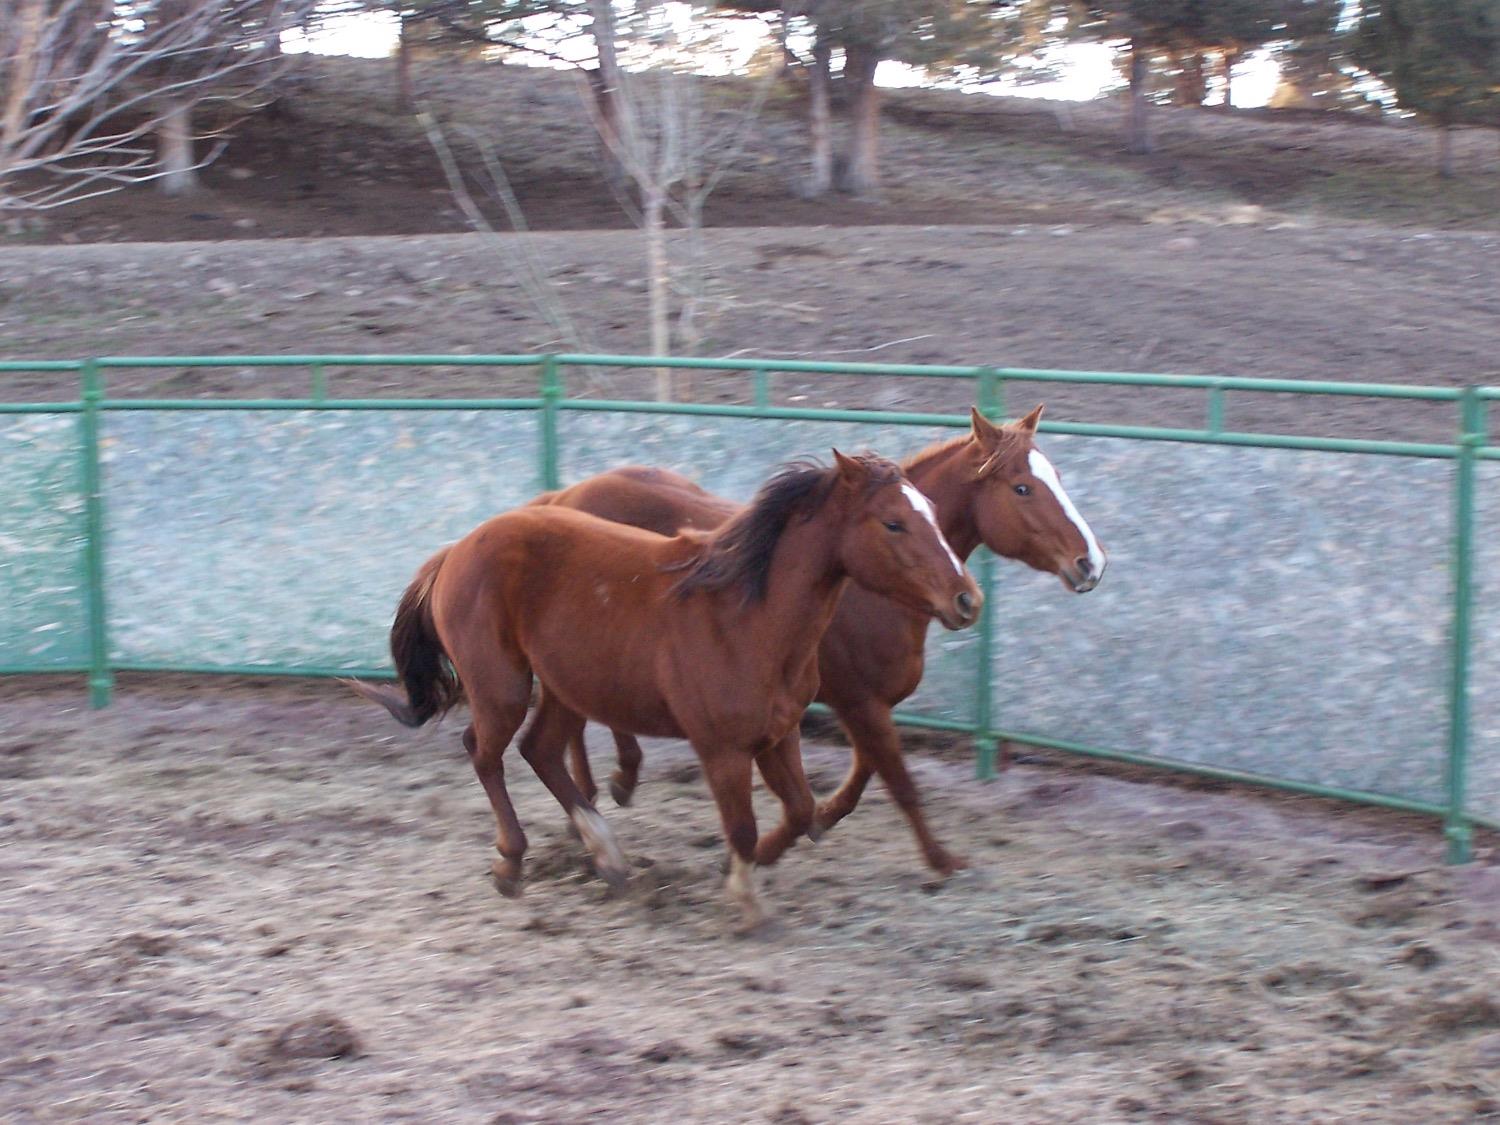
1080, 575
963, 611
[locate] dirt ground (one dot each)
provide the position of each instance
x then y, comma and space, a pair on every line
1344, 304
266, 902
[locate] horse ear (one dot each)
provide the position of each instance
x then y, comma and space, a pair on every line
849, 468
986, 433
1027, 425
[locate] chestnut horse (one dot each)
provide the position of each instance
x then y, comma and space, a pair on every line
991, 486
710, 637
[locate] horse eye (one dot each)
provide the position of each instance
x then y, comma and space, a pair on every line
893, 525
1023, 490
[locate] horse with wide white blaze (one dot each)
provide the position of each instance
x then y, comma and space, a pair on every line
991, 486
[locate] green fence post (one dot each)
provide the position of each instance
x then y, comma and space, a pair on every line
101, 680
762, 387
552, 393
1216, 410
986, 746
1456, 827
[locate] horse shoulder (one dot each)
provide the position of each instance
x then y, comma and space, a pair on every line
873, 649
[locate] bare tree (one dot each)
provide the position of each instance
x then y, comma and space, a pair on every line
961, 37
86, 84
673, 157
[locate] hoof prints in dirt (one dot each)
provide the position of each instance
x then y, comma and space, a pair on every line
300, 1045
190, 944
589, 1068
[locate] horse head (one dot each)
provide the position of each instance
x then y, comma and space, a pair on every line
893, 546
1020, 508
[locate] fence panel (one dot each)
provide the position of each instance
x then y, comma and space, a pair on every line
285, 538
43, 585
1484, 684
1275, 612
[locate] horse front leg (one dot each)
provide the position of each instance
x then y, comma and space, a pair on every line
728, 775
781, 768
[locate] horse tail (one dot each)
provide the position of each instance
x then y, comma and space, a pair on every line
431, 685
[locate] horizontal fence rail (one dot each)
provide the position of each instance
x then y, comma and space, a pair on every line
1470, 447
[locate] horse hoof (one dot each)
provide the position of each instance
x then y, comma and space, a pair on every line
824, 819
947, 863
621, 792
750, 923
507, 879
609, 861
769, 857
815, 831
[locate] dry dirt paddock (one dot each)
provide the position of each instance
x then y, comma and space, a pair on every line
231, 901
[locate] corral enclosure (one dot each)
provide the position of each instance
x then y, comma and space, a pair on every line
1271, 611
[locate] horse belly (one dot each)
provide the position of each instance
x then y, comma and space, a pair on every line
616, 705
602, 668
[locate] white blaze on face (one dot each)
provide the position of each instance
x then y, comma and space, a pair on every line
1042, 469
925, 509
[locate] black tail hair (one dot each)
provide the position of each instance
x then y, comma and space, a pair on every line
432, 686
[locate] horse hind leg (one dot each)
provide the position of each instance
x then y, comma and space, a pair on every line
623, 781
485, 739
544, 747
578, 766
877, 750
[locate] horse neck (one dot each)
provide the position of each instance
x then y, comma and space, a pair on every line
945, 478
803, 585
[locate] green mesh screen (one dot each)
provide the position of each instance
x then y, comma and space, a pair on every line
42, 587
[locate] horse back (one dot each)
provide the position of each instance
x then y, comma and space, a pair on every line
656, 500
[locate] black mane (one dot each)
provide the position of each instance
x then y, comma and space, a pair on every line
739, 553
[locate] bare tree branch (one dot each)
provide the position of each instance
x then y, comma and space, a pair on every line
84, 83
532, 272
657, 131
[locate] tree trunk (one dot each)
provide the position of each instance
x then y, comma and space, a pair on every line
403, 67
1445, 150
819, 133
861, 171
13, 115
174, 150
608, 93
1137, 132
1192, 87
693, 271
653, 225
1228, 60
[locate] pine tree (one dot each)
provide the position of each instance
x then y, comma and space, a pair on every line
1440, 57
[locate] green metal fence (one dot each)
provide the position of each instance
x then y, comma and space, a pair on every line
1469, 447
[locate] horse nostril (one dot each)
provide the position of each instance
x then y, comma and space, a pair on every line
964, 604
1085, 567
